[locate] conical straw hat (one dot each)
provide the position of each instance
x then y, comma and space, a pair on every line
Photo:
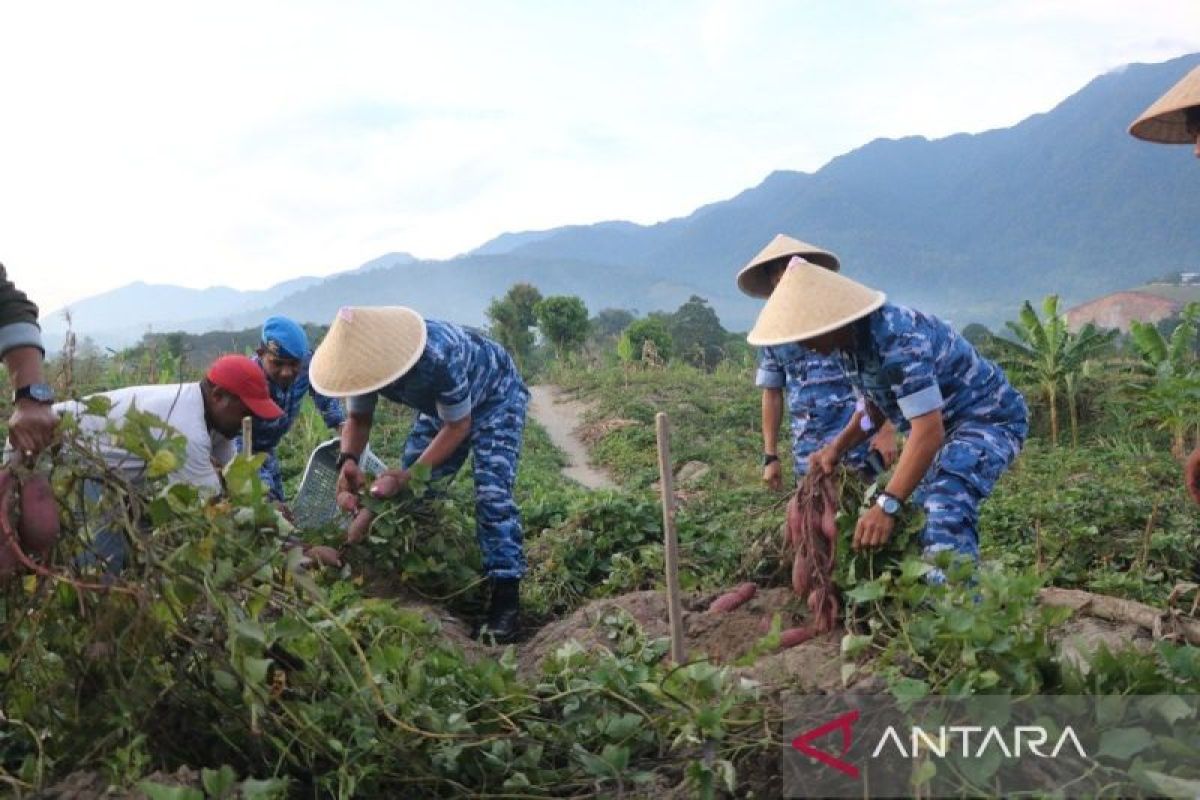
753, 278
809, 301
367, 348
1165, 121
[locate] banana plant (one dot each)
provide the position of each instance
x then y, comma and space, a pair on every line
1171, 387
1049, 356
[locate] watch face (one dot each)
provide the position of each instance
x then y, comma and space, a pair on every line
890, 505
42, 392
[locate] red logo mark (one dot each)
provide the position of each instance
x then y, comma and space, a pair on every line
842, 723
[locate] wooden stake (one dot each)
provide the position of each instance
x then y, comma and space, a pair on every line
248, 436
666, 482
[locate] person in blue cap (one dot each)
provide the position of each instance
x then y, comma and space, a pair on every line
284, 357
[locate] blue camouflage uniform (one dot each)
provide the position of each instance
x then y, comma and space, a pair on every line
268, 433
462, 373
819, 397
909, 364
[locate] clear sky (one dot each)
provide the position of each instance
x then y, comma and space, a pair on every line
245, 143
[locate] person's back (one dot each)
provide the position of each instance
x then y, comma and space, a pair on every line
904, 354
180, 406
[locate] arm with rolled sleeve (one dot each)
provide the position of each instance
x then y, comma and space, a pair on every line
454, 410
771, 379
31, 427
907, 361
18, 319
907, 364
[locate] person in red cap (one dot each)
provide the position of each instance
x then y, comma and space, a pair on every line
207, 413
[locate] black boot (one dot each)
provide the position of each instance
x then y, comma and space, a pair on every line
504, 612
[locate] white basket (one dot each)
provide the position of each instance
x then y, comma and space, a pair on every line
315, 505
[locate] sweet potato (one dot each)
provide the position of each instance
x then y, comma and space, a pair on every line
795, 520
794, 636
799, 574
9, 563
731, 600
829, 522
360, 526
38, 524
324, 555
386, 485
347, 501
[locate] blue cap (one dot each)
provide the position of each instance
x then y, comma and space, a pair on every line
284, 337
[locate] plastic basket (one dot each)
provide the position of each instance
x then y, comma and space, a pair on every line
315, 505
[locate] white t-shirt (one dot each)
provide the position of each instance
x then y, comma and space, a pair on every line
181, 405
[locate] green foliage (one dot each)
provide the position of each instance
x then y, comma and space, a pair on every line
696, 333
1100, 517
563, 320
976, 334
511, 318
1051, 358
220, 650
632, 345
1168, 394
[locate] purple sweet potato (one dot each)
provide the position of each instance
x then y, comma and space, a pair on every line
386, 485
347, 501
324, 555
9, 563
38, 526
794, 636
731, 600
360, 526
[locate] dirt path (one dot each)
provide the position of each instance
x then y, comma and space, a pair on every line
561, 417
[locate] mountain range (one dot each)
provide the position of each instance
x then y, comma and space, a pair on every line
966, 226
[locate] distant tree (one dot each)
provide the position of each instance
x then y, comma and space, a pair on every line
652, 328
511, 318
696, 333
976, 334
609, 323
1048, 355
563, 320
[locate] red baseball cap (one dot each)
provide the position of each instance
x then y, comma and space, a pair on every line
245, 379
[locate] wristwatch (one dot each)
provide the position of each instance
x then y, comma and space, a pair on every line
891, 505
343, 458
769, 458
38, 392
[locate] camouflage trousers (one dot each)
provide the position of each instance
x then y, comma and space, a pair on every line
271, 475
963, 473
495, 443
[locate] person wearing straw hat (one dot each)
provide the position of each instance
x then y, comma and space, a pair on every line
820, 399
1174, 118
471, 400
284, 357
966, 422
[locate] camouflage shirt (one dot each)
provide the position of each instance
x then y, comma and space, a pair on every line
909, 364
820, 399
461, 373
